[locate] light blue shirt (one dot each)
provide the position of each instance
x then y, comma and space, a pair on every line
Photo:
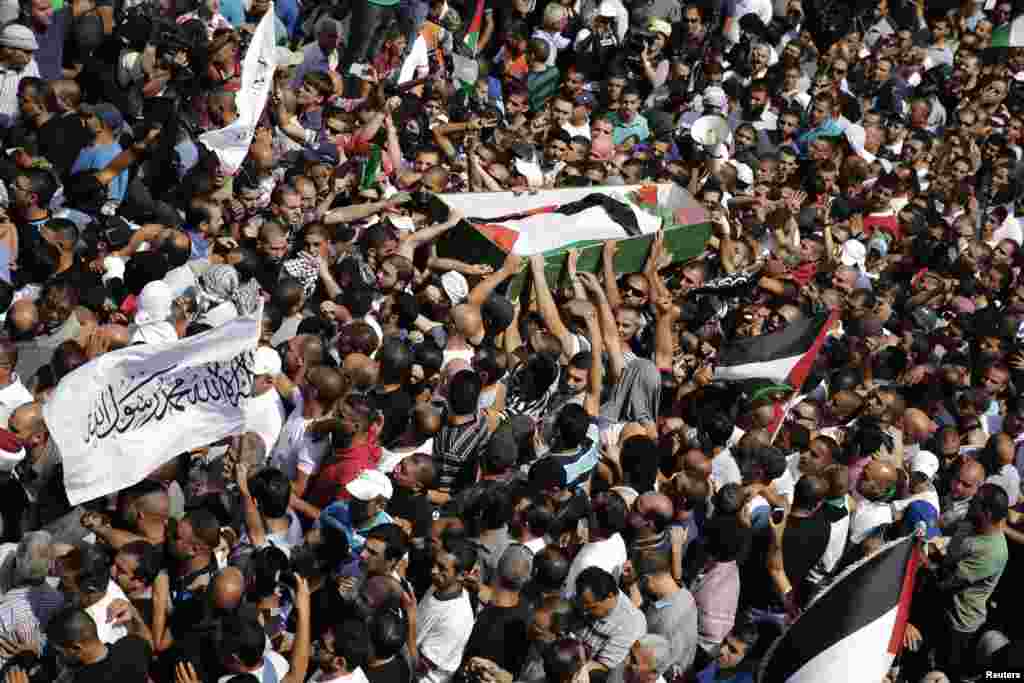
97, 157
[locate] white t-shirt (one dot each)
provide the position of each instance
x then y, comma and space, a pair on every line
295, 450
609, 555
280, 664
264, 414
867, 517
108, 633
724, 470
443, 628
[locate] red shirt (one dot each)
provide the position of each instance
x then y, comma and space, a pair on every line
886, 222
329, 483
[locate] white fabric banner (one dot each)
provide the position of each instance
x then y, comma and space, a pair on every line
121, 416
231, 143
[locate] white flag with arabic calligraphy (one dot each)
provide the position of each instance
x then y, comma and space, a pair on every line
122, 415
231, 143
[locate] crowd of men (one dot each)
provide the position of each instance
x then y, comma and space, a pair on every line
442, 481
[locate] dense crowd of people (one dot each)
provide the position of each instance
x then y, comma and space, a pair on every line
440, 481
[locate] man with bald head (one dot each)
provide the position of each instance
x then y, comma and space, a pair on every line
649, 519
499, 632
917, 429
964, 479
145, 509
193, 625
12, 392
360, 371
877, 489
23, 320
298, 453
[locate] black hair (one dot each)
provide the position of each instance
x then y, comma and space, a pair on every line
724, 538
396, 542
244, 638
464, 392
571, 425
640, 459
598, 581
464, 553
395, 359
388, 633
610, 512
150, 560
271, 490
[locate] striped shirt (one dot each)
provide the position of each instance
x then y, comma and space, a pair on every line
25, 610
456, 451
9, 80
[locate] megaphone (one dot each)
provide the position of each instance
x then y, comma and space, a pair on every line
711, 132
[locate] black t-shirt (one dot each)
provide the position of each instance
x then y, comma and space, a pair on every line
414, 507
803, 544
127, 661
499, 634
395, 671
61, 139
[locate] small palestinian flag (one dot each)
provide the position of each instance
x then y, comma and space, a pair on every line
785, 356
472, 38
1009, 35
852, 632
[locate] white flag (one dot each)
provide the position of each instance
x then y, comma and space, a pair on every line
124, 414
231, 143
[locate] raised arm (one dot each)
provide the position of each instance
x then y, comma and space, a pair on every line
482, 292
611, 247
609, 331
357, 212
410, 242
546, 304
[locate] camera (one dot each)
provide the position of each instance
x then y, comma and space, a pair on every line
638, 41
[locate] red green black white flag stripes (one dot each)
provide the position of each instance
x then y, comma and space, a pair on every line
852, 631
783, 356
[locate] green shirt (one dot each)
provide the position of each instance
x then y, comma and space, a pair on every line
982, 561
542, 86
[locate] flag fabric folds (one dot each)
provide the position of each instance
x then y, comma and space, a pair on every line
1009, 35
122, 415
543, 221
852, 631
783, 356
231, 143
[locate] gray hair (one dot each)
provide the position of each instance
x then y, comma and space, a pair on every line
32, 557
660, 648
327, 23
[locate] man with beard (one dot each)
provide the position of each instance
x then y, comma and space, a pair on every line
873, 515
191, 545
271, 247
409, 505
87, 584
354, 452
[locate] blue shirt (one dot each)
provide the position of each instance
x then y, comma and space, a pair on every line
623, 130
98, 157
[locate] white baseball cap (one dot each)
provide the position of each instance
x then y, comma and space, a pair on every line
266, 361
370, 484
854, 253
925, 462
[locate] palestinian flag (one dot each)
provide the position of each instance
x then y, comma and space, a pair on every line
785, 356
1009, 35
853, 631
538, 222
472, 38
550, 222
